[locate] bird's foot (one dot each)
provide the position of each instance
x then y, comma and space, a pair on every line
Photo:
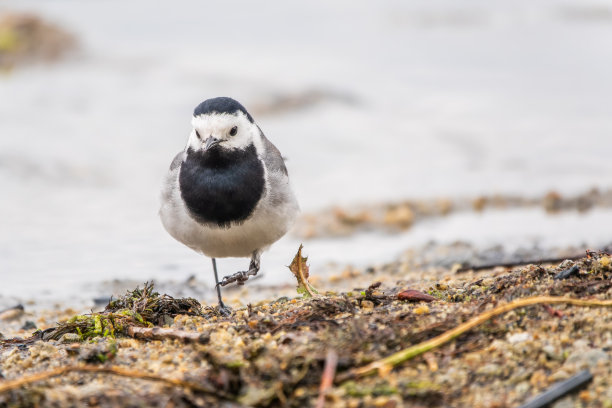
224, 310
238, 277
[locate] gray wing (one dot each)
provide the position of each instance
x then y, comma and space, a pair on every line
280, 199
171, 179
177, 160
272, 157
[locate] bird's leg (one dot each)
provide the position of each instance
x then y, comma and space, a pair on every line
243, 276
224, 310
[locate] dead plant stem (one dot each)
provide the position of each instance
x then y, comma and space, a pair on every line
387, 363
114, 370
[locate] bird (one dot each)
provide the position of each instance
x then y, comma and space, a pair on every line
227, 193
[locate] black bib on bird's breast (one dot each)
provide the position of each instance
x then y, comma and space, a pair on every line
222, 186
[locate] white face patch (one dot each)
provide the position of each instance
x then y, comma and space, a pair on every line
219, 126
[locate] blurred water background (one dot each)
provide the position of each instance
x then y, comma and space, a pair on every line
369, 102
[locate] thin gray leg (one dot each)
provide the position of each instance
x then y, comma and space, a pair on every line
254, 265
241, 277
221, 304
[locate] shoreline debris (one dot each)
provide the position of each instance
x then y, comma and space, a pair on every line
485, 336
559, 389
300, 270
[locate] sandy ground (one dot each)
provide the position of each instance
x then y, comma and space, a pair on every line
272, 352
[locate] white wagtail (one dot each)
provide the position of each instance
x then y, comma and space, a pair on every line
227, 193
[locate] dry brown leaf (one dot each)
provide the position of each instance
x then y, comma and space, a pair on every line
299, 268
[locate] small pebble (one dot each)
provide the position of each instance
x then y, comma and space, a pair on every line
522, 388
566, 402
590, 358
489, 369
101, 301
13, 313
423, 309
519, 337
73, 348
367, 304
559, 375
28, 325
552, 353
585, 396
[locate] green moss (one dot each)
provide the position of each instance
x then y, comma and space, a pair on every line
419, 388
437, 294
79, 318
235, 364
97, 324
383, 389
353, 389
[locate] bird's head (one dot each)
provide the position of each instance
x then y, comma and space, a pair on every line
222, 123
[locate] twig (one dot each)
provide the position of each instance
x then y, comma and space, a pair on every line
329, 371
516, 263
21, 382
558, 390
553, 312
418, 349
159, 333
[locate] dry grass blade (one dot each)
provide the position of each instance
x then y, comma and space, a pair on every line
329, 371
24, 381
418, 349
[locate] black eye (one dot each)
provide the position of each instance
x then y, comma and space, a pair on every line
233, 131
198, 135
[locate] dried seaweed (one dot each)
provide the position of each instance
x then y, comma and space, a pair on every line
143, 308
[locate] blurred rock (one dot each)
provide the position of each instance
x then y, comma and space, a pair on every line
587, 358
25, 38
28, 325
13, 313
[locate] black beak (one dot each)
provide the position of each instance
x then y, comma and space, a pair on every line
211, 142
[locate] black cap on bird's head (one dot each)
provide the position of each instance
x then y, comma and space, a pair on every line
222, 122
221, 104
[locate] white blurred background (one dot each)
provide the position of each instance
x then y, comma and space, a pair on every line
417, 99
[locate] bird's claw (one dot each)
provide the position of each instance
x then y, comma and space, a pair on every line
238, 277
224, 310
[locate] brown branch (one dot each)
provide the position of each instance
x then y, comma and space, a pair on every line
391, 361
114, 370
159, 333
